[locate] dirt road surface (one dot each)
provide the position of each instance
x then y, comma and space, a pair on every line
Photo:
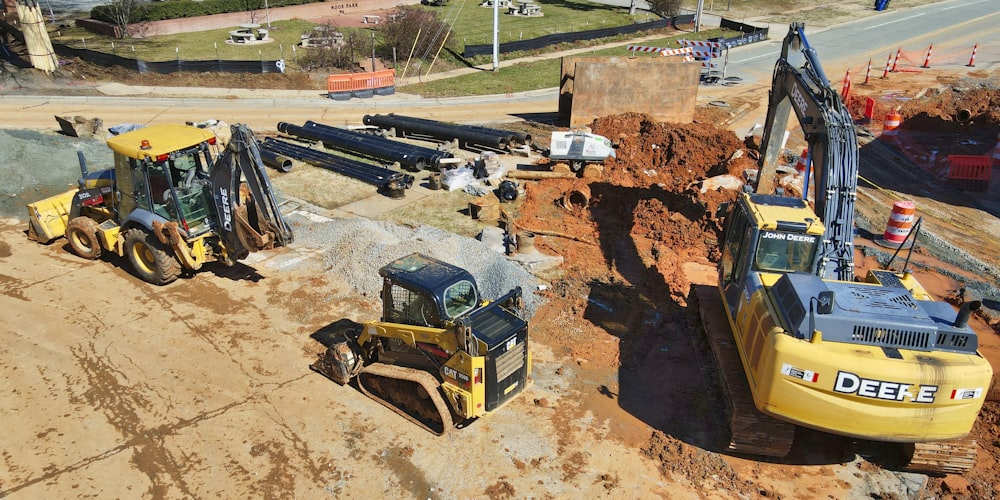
111, 387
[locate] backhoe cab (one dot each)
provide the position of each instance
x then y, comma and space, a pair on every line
440, 352
172, 201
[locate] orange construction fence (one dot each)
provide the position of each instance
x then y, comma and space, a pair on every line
346, 86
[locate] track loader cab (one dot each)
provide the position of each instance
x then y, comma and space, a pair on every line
419, 290
438, 339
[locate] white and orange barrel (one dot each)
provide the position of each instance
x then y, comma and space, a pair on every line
891, 124
803, 162
900, 222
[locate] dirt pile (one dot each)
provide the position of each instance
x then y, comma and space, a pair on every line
649, 216
649, 202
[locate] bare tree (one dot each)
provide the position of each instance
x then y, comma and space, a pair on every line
665, 8
252, 7
123, 12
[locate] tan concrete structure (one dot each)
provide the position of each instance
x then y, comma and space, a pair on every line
663, 87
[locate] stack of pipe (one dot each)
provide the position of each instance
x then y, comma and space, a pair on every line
465, 134
385, 179
414, 158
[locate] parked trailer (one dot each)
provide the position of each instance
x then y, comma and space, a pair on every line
390, 182
464, 134
410, 157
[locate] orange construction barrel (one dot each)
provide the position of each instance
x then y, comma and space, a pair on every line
900, 223
891, 124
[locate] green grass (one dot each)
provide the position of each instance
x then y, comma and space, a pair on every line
193, 46
534, 75
473, 25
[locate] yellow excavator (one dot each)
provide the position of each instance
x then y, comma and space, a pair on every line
440, 353
876, 359
173, 201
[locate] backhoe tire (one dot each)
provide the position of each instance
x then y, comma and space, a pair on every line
81, 232
151, 260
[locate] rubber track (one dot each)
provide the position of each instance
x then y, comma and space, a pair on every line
944, 457
377, 379
751, 431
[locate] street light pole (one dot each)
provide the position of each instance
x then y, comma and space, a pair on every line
496, 32
267, 15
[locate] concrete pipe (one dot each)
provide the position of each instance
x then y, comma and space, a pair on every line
526, 242
963, 116
577, 197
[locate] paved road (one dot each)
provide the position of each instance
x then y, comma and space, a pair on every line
962, 23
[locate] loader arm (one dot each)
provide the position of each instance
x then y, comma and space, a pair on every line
253, 223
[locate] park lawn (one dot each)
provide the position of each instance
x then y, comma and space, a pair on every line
192, 46
535, 75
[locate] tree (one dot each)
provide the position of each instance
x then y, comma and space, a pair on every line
665, 8
252, 7
401, 30
329, 48
123, 12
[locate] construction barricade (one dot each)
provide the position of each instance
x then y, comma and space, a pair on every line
970, 172
345, 86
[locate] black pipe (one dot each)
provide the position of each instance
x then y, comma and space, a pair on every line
409, 156
510, 136
965, 312
275, 160
464, 134
415, 157
362, 171
437, 130
385, 179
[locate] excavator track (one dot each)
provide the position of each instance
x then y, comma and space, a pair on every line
943, 457
412, 393
751, 431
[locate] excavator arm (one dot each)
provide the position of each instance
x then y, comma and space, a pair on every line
833, 148
247, 222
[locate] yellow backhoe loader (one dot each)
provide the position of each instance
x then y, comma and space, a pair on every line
171, 202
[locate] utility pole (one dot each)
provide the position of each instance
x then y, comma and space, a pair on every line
496, 34
373, 51
697, 16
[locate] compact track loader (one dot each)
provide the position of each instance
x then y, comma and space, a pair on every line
440, 353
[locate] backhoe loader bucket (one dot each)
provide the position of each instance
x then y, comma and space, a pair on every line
47, 218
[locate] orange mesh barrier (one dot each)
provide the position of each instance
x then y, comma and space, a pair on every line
351, 82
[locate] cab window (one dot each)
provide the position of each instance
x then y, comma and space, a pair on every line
460, 298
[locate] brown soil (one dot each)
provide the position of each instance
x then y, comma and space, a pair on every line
649, 222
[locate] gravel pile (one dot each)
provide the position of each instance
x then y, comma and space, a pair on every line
35, 165
355, 249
